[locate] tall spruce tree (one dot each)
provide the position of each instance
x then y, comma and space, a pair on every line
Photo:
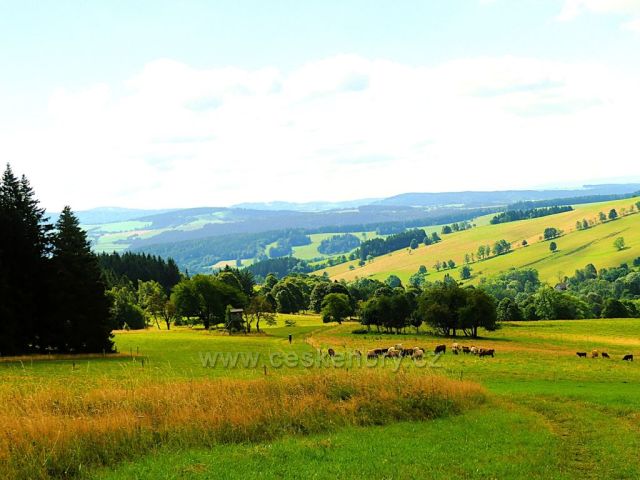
82, 308
23, 256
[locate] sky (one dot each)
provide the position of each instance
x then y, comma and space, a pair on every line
156, 104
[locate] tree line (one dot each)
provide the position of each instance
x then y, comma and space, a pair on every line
52, 297
515, 215
134, 267
339, 244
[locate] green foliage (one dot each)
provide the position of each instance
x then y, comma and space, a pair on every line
393, 281
553, 246
448, 308
515, 215
53, 297
465, 272
125, 311
338, 244
152, 299
336, 308
380, 246
206, 297
508, 310
619, 243
118, 268
500, 247
614, 309
551, 233
260, 309
551, 304
511, 284
280, 267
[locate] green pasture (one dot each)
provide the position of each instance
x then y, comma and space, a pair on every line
550, 414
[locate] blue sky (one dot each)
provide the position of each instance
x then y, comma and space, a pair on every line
211, 103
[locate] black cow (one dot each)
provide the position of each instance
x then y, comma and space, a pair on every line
582, 354
628, 358
440, 349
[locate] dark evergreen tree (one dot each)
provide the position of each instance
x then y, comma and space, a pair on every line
24, 245
81, 310
118, 269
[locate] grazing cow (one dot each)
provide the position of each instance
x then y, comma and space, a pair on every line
381, 351
605, 355
474, 350
407, 352
486, 352
440, 349
594, 353
582, 354
466, 350
456, 348
418, 353
331, 352
628, 358
372, 353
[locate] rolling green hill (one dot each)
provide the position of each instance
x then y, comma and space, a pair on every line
576, 248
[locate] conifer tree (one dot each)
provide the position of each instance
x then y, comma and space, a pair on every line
23, 256
82, 313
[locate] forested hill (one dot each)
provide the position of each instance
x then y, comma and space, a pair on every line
235, 221
200, 254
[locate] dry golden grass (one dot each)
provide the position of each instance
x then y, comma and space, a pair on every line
57, 431
60, 356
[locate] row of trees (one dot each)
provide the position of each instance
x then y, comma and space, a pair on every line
52, 298
589, 293
515, 215
444, 306
456, 227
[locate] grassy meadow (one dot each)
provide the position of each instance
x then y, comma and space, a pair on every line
536, 410
576, 248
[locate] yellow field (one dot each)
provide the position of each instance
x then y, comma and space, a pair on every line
575, 248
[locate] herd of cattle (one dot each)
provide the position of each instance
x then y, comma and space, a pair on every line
418, 352
596, 354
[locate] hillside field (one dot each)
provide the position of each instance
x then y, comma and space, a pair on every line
547, 413
576, 248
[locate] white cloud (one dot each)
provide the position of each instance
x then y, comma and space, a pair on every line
574, 8
633, 25
338, 128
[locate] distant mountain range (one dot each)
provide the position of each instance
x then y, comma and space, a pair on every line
504, 197
101, 215
308, 206
202, 236
467, 199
